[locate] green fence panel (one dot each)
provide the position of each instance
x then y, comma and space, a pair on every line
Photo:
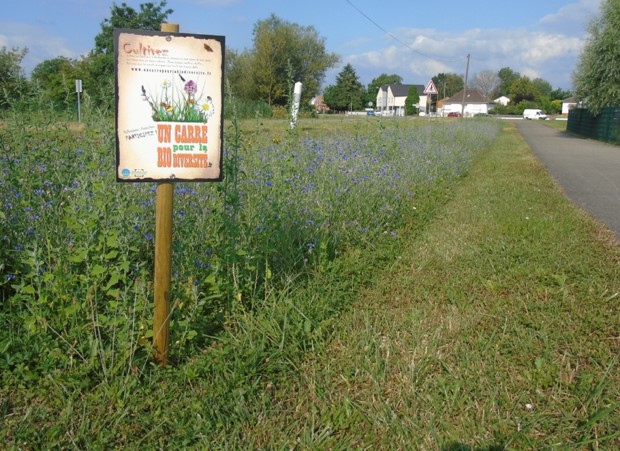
604, 127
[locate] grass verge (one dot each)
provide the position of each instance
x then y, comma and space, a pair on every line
497, 328
494, 326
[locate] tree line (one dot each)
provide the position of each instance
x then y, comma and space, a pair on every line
261, 77
348, 92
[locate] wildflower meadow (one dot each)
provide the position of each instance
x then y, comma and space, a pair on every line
76, 254
77, 248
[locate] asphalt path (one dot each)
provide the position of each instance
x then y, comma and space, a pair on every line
588, 171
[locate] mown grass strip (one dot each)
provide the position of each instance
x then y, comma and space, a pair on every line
497, 328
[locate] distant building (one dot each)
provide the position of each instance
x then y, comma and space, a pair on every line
391, 99
503, 100
475, 103
569, 104
319, 104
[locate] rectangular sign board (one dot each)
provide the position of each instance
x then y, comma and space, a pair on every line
169, 106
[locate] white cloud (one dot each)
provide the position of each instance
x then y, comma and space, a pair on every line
422, 53
570, 19
41, 45
550, 49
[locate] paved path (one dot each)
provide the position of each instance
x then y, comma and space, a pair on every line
587, 170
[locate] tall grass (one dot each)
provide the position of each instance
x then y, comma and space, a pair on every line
77, 254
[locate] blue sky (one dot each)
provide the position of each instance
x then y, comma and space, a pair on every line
412, 38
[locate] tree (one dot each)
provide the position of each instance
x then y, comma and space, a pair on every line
347, 93
373, 87
486, 81
448, 84
238, 66
560, 94
278, 46
597, 77
523, 89
150, 17
101, 60
543, 87
507, 77
13, 83
55, 79
556, 106
412, 101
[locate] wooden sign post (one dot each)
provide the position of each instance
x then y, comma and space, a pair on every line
164, 207
163, 269
169, 129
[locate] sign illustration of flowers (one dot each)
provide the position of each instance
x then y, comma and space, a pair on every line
182, 103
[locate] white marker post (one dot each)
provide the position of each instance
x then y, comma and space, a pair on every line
295, 106
78, 89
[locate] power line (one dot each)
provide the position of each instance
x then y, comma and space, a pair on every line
396, 38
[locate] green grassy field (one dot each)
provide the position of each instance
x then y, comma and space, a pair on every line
453, 299
558, 125
495, 328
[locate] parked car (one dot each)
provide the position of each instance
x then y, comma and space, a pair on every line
534, 114
454, 114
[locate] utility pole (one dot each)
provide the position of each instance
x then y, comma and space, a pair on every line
465, 87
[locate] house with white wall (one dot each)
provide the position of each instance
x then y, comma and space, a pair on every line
475, 101
391, 99
503, 100
569, 104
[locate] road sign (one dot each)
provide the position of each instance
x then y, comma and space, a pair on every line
430, 88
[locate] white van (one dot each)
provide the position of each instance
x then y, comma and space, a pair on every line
534, 114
